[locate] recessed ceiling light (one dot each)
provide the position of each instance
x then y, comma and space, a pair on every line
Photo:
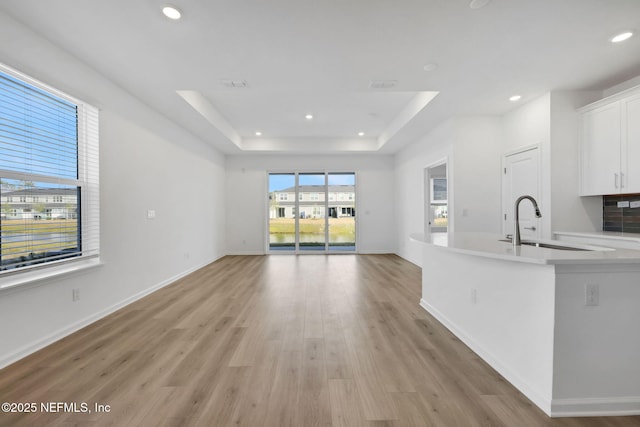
309, 116
621, 37
258, 133
478, 4
432, 66
360, 133
171, 12
515, 98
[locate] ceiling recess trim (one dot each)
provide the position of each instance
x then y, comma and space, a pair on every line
202, 105
412, 109
285, 144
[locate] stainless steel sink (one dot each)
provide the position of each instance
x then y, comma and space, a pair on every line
549, 245
552, 246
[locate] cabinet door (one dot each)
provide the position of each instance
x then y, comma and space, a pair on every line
601, 150
631, 144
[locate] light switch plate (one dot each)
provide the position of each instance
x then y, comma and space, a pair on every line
623, 204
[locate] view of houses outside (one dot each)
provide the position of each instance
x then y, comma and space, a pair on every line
36, 222
439, 207
316, 206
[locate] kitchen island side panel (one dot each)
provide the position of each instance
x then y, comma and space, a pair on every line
597, 346
503, 310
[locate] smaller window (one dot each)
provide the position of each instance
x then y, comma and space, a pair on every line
439, 190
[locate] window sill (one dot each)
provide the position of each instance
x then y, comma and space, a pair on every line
13, 281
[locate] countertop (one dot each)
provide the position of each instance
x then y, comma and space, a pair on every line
632, 237
489, 245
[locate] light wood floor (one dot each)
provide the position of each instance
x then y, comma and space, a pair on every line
285, 340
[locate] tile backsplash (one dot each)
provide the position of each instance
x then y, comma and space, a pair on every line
616, 218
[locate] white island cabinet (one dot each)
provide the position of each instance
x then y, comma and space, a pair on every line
560, 325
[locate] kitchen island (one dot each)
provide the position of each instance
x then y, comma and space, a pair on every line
560, 325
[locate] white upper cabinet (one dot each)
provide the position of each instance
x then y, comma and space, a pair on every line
631, 135
601, 150
610, 145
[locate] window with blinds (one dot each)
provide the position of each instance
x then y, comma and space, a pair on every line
49, 200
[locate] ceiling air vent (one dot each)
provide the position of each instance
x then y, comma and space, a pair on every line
382, 84
233, 83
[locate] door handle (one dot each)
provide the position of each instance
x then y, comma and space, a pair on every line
532, 228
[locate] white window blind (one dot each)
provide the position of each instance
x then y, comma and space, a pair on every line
49, 172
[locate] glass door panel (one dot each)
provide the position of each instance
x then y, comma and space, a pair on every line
312, 217
282, 211
342, 211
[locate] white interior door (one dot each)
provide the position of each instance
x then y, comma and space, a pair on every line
521, 176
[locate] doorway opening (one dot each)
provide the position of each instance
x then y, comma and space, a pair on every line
436, 197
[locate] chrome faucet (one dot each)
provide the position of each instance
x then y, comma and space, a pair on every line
516, 218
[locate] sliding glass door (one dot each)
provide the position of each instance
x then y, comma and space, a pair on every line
282, 211
342, 211
312, 211
312, 219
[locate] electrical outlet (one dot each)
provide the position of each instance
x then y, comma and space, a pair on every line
75, 294
591, 295
151, 214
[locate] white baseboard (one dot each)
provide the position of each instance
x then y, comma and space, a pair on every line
577, 407
540, 401
596, 407
61, 333
237, 253
412, 261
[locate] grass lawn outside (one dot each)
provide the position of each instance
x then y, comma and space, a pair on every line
344, 225
342, 231
21, 237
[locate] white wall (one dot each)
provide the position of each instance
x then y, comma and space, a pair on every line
477, 178
146, 163
472, 147
246, 192
410, 164
530, 125
551, 122
570, 212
